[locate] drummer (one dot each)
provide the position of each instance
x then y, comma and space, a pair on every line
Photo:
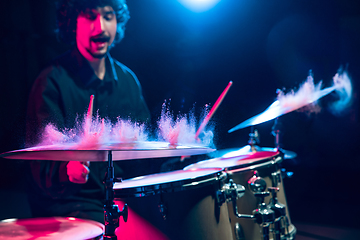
61, 93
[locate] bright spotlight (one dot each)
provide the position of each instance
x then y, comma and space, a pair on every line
199, 5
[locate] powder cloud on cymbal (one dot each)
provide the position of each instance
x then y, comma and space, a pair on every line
307, 96
95, 132
181, 129
343, 91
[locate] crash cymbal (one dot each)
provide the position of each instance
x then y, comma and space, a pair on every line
277, 109
247, 150
120, 151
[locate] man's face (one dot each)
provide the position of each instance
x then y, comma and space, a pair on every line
95, 32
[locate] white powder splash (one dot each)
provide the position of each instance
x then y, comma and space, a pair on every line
94, 133
305, 100
309, 93
343, 89
182, 129
305, 96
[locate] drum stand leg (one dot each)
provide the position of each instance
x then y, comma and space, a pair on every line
111, 211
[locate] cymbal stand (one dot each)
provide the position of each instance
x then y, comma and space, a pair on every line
276, 132
253, 139
111, 211
281, 223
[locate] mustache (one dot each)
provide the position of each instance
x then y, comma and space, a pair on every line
100, 38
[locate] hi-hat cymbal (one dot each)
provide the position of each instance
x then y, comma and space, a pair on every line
247, 150
120, 151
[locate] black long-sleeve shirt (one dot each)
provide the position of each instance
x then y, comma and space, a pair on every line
61, 95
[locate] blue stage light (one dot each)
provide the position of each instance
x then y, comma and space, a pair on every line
199, 5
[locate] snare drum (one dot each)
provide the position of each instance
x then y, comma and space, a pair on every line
174, 205
240, 169
54, 228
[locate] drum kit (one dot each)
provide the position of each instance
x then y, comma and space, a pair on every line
237, 195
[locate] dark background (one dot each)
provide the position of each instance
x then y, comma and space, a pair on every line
188, 57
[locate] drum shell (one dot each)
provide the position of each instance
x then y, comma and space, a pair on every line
191, 213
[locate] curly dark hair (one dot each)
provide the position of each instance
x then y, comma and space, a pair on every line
68, 11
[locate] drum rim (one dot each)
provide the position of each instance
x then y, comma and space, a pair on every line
172, 186
250, 166
254, 163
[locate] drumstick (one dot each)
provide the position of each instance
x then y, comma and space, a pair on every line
213, 109
89, 114
91, 107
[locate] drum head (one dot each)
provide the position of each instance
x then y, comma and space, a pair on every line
236, 161
166, 182
54, 228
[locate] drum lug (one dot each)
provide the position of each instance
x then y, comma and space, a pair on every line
229, 192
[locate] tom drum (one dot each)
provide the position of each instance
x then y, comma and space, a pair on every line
179, 204
241, 169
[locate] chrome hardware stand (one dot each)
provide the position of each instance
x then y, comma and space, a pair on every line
111, 211
281, 227
276, 132
263, 215
253, 139
281, 223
